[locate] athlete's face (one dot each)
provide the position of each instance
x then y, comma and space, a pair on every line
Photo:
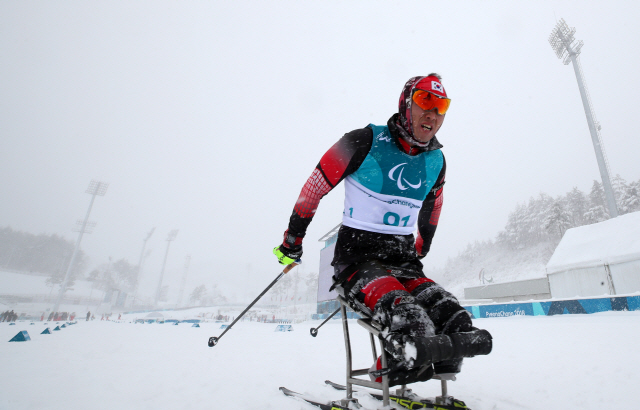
425, 123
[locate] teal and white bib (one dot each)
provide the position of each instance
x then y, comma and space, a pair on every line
386, 193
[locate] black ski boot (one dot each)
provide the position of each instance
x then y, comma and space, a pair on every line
415, 352
456, 345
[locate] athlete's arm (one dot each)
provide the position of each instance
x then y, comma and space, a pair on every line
430, 214
341, 160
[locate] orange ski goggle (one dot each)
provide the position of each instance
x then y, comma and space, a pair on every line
428, 101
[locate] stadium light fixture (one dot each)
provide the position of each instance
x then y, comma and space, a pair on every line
563, 42
96, 188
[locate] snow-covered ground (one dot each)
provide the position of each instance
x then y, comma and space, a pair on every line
558, 362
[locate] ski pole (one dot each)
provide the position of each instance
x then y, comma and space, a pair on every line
214, 340
314, 330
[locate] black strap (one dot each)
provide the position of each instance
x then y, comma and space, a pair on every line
380, 373
342, 276
435, 189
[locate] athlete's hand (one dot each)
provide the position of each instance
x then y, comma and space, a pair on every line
287, 256
290, 250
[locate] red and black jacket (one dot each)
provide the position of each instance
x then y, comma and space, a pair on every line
354, 245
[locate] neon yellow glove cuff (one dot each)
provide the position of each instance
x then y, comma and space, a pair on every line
282, 258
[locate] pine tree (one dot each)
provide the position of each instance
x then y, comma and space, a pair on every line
49, 254
541, 212
558, 219
215, 296
577, 205
630, 198
619, 186
597, 211
514, 232
198, 294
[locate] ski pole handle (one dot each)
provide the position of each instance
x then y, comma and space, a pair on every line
214, 340
291, 266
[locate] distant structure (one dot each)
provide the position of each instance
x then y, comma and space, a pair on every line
140, 263
563, 43
187, 261
170, 238
95, 188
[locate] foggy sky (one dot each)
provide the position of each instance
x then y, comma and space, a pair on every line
208, 117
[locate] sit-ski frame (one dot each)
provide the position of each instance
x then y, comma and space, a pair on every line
374, 329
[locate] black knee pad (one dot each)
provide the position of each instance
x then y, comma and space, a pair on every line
387, 307
429, 293
409, 318
460, 321
443, 308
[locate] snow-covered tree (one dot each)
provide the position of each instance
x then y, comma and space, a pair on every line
619, 186
558, 219
215, 297
311, 283
597, 211
630, 198
514, 231
198, 294
50, 254
119, 275
577, 205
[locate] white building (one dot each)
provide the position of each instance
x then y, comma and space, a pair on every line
590, 260
598, 259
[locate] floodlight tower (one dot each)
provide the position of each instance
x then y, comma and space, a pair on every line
95, 188
187, 261
170, 238
566, 48
140, 262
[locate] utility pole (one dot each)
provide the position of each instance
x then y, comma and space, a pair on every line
95, 188
170, 238
563, 43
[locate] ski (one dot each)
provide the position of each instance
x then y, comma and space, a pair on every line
412, 402
322, 406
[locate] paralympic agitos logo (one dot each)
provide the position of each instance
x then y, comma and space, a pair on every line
400, 180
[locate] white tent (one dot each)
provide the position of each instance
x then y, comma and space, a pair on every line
602, 258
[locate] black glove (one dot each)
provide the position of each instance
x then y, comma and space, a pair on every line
290, 250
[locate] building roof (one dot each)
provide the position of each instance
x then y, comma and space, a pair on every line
613, 241
327, 236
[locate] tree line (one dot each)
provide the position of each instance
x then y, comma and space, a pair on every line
119, 275
49, 255
545, 218
41, 254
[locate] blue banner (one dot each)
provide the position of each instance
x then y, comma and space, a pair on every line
558, 307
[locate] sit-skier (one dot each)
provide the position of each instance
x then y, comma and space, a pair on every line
394, 176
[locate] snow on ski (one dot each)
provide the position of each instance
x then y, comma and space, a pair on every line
413, 401
322, 406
